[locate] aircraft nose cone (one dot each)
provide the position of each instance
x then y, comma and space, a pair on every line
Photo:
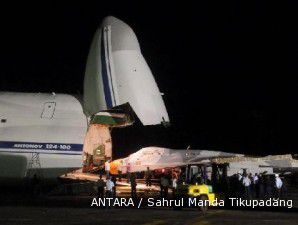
122, 36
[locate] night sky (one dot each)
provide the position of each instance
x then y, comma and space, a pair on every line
228, 70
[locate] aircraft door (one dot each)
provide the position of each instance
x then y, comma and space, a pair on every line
48, 110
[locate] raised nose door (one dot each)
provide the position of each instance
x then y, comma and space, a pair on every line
48, 110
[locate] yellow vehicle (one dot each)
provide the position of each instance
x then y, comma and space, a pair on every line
201, 190
194, 186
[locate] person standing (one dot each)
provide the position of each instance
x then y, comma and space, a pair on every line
268, 185
251, 186
100, 187
109, 187
133, 185
148, 177
114, 179
240, 188
256, 185
278, 186
107, 167
261, 184
164, 186
174, 185
255, 178
246, 183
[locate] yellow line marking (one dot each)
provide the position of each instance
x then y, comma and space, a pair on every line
155, 222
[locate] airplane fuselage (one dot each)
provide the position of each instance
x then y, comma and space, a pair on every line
53, 125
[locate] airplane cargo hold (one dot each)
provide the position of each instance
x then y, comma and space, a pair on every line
98, 142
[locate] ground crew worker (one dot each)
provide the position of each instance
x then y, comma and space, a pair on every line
246, 183
100, 187
109, 187
255, 182
261, 191
114, 179
268, 185
240, 188
239, 176
107, 167
133, 185
251, 186
174, 185
148, 177
164, 186
278, 186
255, 178
234, 187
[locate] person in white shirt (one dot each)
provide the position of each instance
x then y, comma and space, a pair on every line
239, 176
246, 182
255, 187
109, 187
174, 185
278, 185
255, 179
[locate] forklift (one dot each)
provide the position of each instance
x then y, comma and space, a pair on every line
202, 181
194, 183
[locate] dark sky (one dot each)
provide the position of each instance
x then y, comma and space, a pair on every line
228, 70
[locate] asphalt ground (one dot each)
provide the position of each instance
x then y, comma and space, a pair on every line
75, 209
61, 215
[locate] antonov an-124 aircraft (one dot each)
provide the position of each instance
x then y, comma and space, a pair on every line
54, 125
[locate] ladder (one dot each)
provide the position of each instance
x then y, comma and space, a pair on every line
34, 166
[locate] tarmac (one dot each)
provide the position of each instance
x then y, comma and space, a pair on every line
66, 215
60, 208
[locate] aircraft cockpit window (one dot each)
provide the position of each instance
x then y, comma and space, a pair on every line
3, 120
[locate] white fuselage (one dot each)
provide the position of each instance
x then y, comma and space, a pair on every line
52, 125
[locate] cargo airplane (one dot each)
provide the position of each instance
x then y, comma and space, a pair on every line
54, 125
